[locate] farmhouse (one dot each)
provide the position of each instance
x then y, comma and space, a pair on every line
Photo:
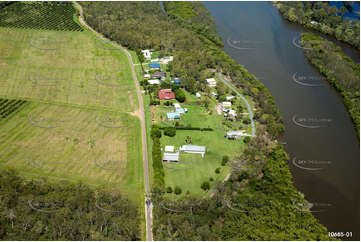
171, 157
226, 104
154, 66
158, 74
154, 82
235, 134
173, 115
211, 82
147, 54
196, 149
166, 94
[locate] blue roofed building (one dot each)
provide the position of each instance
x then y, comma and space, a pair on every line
173, 115
154, 65
176, 81
180, 110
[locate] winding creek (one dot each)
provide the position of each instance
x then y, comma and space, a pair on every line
320, 139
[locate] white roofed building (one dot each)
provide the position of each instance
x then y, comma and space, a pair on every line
196, 149
211, 82
235, 134
169, 148
147, 54
154, 82
226, 104
171, 157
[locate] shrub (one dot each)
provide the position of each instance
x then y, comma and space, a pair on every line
211, 179
169, 190
177, 190
247, 139
242, 176
180, 95
218, 170
246, 121
155, 133
225, 158
170, 131
205, 186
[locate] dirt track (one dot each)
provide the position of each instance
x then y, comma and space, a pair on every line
140, 114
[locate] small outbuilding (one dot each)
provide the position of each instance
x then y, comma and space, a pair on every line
211, 82
176, 81
158, 74
229, 98
147, 54
235, 134
173, 115
176, 105
196, 149
171, 157
154, 82
198, 94
169, 148
226, 104
180, 110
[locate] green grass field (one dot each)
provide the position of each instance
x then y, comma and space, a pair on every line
77, 124
64, 67
192, 169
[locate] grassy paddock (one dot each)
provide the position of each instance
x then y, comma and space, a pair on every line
65, 143
192, 169
64, 67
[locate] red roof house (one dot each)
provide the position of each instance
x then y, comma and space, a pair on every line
166, 94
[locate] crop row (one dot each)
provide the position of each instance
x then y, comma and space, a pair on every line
46, 16
8, 106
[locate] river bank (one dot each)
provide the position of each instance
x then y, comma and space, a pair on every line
269, 49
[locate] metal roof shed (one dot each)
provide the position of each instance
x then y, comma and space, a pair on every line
173, 157
196, 149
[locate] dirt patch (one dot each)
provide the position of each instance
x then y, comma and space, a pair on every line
218, 108
136, 113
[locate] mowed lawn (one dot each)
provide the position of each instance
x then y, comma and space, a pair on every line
65, 67
66, 143
192, 169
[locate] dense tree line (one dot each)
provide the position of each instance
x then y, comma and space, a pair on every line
257, 203
39, 210
194, 16
329, 20
341, 72
158, 170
